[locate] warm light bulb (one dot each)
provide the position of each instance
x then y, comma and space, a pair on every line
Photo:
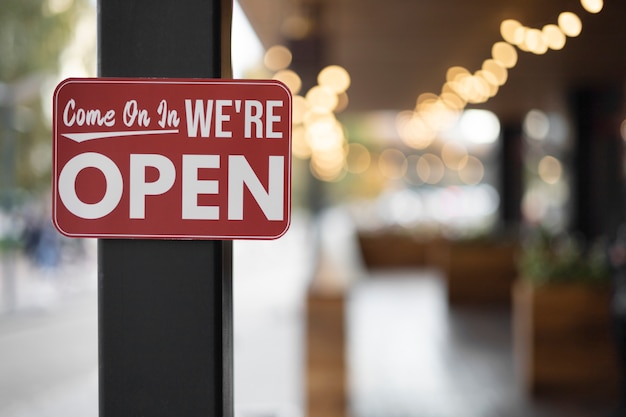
334, 77
300, 107
299, 146
452, 100
505, 54
509, 31
454, 73
570, 24
322, 99
592, 6
290, 79
499, 72
415, 132
424, 100
277, 57
553, 37
535, 42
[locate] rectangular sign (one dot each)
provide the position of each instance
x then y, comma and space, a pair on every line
172, 158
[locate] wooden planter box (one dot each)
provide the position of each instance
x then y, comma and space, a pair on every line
326, 373
478, 273
391, 249
563, 343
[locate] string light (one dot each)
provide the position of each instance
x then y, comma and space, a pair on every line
505, 54
570, 24
462, 87
290, 79
553, 36
277, 57
318, 135
592, 6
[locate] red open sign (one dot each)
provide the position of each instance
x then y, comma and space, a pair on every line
163, 158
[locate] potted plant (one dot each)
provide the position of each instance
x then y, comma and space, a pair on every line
562, 338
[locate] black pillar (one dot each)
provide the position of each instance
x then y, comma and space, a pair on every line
511, 181
597, 159
165, 306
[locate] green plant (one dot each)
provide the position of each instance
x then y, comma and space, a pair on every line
547, 259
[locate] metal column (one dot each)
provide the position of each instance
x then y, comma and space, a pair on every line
165, 306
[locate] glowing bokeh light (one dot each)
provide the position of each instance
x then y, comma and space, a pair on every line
455, 73
322, 99
550, 169
277, 57
414, 131
342, 102
536, 124
570, 24
430, 168
592, 6
535, 42
392, 164
479, 126
290, 79
296, 26
334, 77
299, 145
553, 37
454, 155
504, 54
472, 172
299, 108
509, 29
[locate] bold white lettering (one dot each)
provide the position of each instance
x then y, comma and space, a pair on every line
139, 188
271, 118
192, 187
86, 117
197, 116
132, 113
271, 201
168, 117
220, 118
251, 117
71, 105
67, 181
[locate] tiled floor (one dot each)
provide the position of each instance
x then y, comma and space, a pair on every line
413, 356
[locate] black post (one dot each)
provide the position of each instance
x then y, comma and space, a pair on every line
597, 159
511, 176
165, 306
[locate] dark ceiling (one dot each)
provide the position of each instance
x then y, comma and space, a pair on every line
398, 49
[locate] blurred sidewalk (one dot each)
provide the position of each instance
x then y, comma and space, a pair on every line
26, 287
409, 353
48, 339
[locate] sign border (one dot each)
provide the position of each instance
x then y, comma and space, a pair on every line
182, 81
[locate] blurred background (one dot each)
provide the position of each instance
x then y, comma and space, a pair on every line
457, 245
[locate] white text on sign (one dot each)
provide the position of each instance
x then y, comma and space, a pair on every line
240, 174
209, 117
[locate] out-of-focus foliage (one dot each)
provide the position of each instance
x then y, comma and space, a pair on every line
547, 259
33, 34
